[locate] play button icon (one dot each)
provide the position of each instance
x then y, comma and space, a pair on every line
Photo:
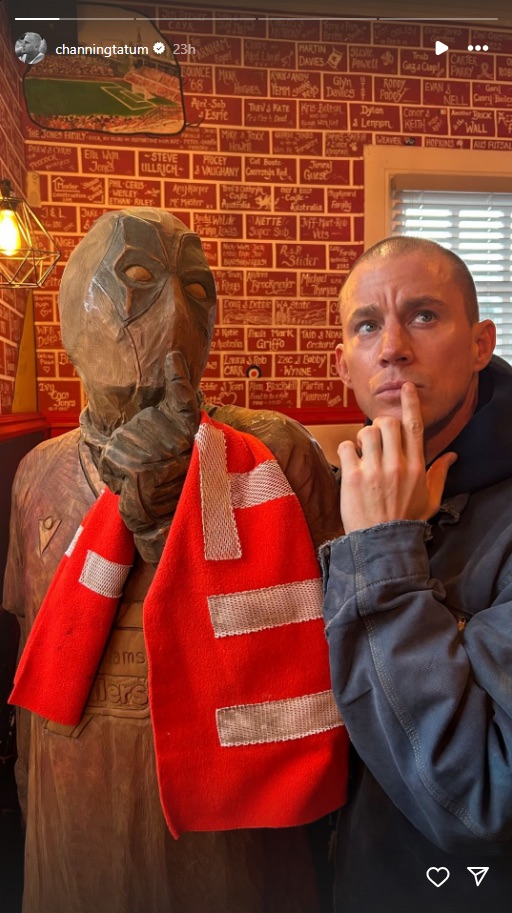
441, 48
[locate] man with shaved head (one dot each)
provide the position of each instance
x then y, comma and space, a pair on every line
31, 48
418, 598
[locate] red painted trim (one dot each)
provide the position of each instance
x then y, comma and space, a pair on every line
325, 416
19, 424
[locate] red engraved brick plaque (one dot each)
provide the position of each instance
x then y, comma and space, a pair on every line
218, 224
370, 59
293, 84
299, 199
273, 170
400, 33
213, 366
271, 339
397, 89
226, 392
77, 190
324, 228
197, 78
321, 56
464, 122
324, 171
343, 256
456, 37
247, 254
241, 196
58, 218
343, 200
318, 339
164, 164
226, 339
446, 92
322, 115
256, 311
271, 227
88, 216
267, 54
219, 50
230, 282
470, 66
295, 142
343, 87
321, 394
108, 161
301, 256
264, 282
42, 157
189, 196
422, 63
424, 120
250, 366
275, 113
212, 109
375, 117
320, 285
310, 365
273, 394
59, 396
300, 312
504, 68
241, 81
492, 95
134, 192
217, 167
251, 141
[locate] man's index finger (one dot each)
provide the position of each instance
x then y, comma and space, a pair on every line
412, 420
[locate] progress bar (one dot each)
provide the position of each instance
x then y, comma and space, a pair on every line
258, 19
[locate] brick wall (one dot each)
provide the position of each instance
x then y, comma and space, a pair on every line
12, 303
272, 180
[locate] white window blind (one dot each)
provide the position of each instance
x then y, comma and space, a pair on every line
477, 227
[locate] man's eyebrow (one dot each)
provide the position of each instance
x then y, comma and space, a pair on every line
372, 311
424, 301
365, 312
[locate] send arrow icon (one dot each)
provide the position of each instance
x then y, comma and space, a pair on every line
441, 48
478, 872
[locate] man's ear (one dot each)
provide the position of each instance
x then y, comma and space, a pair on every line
341, 366
485, 340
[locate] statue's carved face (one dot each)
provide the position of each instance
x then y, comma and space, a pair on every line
136, 288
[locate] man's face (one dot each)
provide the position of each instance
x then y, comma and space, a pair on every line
404, 319
31, 45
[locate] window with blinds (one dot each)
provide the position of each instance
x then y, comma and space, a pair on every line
476, 226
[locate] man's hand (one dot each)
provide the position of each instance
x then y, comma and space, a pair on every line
146, 460
384, 476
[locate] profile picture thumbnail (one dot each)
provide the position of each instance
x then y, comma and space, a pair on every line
30, 48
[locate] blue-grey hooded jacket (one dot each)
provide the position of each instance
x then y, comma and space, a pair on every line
419, 626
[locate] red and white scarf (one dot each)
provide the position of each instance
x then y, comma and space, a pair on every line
246, 730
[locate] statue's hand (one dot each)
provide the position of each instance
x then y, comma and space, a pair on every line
146, 460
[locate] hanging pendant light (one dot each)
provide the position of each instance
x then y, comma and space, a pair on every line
27, 252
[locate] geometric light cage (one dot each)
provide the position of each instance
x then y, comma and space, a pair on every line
26, 261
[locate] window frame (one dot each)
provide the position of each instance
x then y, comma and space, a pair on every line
471, 169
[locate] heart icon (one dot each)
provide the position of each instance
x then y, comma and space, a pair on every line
438, 876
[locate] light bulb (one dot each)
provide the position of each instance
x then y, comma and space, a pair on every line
10, 237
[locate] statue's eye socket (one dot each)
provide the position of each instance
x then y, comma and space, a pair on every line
197, 290
138, 274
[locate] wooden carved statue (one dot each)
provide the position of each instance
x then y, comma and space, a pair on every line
137, 305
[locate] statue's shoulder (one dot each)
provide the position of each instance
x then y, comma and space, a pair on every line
49, 454
279, 432
48, 472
